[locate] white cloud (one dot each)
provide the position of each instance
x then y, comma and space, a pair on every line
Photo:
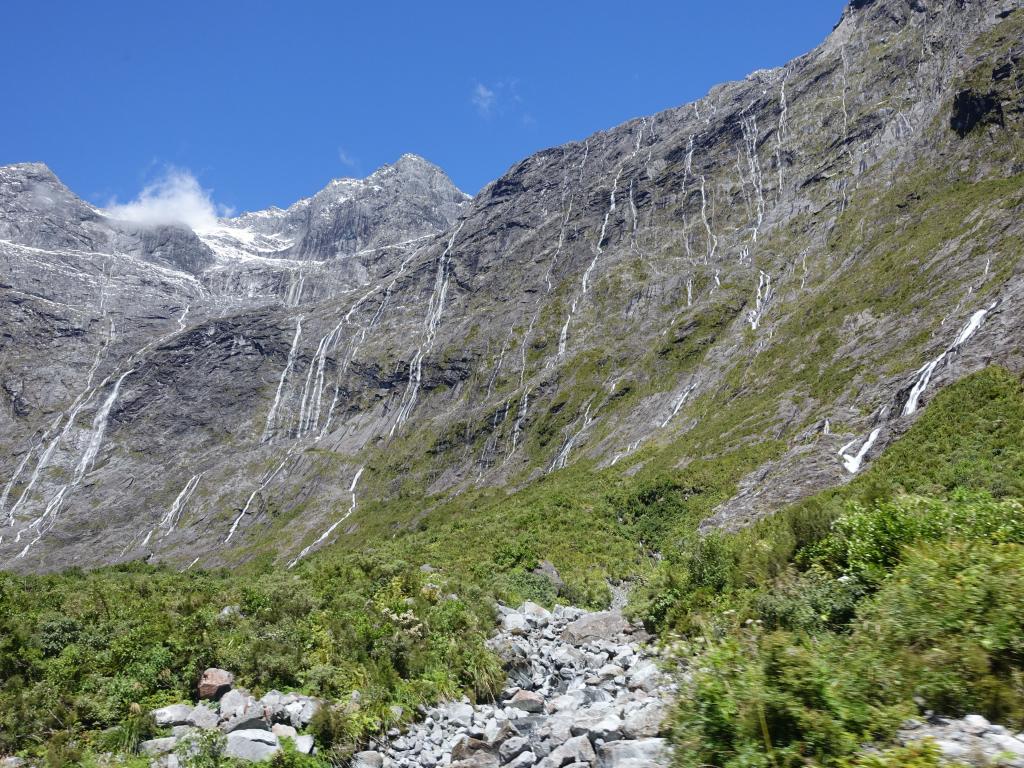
176, 198
484, 99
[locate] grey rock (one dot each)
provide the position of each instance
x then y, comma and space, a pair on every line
283, 731
527, 701
252, 745
575, 750
201, 716
304, 744
635, 753
644, 722
161, 746
176, 714
608, 625
368, 759
251, 717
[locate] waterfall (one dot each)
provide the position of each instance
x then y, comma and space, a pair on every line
99, 428
584, 284
435, 308
749, 126
853, 462
679, 404
562, 459
171, 518
924, 374
268, 430
763, 297
335, 524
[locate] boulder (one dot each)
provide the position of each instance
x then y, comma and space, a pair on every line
253, 745
512, 748
233, 702
639, 753
536, 615
283, 731
176, 714
527, 701
599, 725
575, 750
466, 748
214, 683
155, 747
645, 721
547, 570
203, 717
251, 717
522, 760
607, 625
515, 624
368, 759
644, 675
460, 713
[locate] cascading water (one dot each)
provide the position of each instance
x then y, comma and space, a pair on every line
563, 337
99, 428
170, 520
925, 373
334, 525
268, 429
853, 462
761, 300
435, 308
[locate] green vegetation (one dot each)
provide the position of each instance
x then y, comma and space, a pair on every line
809, 634
824, 627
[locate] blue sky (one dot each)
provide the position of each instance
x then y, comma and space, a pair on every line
264, 102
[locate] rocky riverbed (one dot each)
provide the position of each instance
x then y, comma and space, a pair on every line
583, 689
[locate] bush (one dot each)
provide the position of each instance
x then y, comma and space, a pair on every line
952, 617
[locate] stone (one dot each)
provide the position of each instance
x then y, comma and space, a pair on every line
251, 717
605, 726
308, 711
304, 744
253, 745
283, 731
536, 615
639, 753
368, 759
527, 701
576, 750
513, 747
515, 623
607, 625
460, 714
203, 717
176, 714
645, 721
522, 760
644, 675
233, 702
214, 683
155, 747
466, 748
976, 724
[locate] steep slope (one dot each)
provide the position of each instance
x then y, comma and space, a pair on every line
789, 267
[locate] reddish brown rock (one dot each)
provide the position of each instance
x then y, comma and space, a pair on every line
215, 683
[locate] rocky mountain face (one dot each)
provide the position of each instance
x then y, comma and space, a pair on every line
789, 267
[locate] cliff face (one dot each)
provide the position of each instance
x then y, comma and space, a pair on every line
797, 261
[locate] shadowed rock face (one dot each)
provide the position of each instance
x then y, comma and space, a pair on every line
810, 246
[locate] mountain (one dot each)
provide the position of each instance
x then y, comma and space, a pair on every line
748, 370
797, 261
